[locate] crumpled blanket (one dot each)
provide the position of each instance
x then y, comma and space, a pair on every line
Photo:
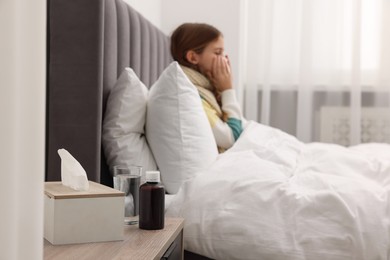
273, 197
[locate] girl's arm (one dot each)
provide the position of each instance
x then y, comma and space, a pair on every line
228, 129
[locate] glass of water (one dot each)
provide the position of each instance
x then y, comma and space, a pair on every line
128, 179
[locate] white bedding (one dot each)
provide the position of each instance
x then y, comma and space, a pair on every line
168, 200
272, 197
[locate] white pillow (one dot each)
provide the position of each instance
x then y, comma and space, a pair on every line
177, 129
123, 136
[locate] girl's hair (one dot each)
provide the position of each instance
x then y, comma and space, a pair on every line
191, 36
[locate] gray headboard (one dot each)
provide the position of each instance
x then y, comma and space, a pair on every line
89, 43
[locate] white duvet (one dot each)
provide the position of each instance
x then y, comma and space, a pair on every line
273, 197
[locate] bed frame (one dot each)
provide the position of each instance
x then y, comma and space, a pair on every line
89, 43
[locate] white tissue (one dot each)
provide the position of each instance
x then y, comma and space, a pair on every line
73, 174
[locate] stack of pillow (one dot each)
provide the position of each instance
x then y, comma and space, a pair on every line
164, 128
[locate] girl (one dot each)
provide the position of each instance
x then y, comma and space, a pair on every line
199, 49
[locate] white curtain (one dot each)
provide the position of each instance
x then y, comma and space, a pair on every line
319, 69
22, 131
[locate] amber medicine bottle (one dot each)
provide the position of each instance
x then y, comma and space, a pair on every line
151, 202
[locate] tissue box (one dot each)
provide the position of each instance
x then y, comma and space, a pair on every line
82, 216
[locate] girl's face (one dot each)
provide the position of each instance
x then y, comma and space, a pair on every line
205, 59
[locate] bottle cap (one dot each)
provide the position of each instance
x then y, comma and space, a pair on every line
152, 176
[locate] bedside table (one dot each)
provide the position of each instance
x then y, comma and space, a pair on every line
137, 244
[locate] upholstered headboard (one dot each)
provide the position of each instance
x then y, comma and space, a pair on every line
90, 42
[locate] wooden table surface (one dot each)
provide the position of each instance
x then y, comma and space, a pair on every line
137, 244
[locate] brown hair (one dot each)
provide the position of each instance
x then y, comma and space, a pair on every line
191, 36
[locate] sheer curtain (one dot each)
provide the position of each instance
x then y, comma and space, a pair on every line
319, 69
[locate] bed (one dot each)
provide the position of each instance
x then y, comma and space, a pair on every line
268, 197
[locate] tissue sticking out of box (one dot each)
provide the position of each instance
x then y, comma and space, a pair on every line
73, 174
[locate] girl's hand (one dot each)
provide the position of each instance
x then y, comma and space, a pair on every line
220, 75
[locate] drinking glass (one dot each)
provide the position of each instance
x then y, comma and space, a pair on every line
128, 179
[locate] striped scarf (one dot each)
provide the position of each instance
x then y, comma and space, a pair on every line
205, 89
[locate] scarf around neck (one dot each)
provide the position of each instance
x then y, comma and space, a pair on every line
205, 89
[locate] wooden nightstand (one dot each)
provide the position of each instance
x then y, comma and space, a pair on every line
137, 244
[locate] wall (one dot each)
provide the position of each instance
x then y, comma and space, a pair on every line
22, 131
150, 9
